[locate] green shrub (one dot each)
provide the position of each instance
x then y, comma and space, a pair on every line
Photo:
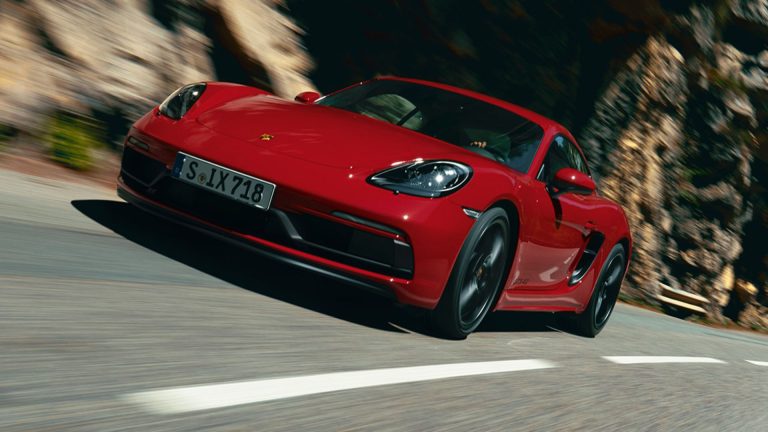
70, 138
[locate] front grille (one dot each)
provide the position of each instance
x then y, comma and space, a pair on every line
141, 168
358, 243
210, 206
311, 234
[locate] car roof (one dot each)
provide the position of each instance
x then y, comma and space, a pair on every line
550, 126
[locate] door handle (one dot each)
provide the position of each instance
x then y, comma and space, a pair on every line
590, 226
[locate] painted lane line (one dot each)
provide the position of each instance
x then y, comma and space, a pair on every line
203, 397
660, 359
757, 363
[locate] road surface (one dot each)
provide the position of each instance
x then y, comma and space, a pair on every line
111, 319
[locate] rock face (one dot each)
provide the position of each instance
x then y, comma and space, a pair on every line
670, 99
690, 193
114, 60
268, 37
636, 132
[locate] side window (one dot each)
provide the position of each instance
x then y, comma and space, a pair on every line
576, 159
561, 154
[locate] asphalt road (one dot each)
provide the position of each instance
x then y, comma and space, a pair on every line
102, 307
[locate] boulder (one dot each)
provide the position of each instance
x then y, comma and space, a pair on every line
723, 284
745, 291
256, 31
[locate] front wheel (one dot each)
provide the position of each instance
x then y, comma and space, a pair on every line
476, 277
604, 295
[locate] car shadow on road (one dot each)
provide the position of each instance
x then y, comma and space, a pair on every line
519, 322
245, 269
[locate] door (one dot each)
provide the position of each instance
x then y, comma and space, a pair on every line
559, 223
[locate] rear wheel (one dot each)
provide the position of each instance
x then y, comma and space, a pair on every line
476, 277
590, 322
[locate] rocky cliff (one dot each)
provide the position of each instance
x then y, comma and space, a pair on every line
115, 59
670, 98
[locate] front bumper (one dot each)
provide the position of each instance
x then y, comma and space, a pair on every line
406, 258
324, 237
190, 221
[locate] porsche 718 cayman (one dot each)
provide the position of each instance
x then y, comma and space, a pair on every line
434, 196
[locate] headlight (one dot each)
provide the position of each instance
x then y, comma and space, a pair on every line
179, 102
424, 178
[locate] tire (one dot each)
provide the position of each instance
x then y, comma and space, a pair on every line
604, 295
476, 278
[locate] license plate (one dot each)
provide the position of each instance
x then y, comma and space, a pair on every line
224, 181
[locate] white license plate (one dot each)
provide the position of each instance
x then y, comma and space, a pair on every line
224, 181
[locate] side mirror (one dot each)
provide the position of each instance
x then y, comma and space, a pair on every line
307, 97
571, 180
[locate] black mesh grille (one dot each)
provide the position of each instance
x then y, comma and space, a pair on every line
140, 167
341, 237
219, 209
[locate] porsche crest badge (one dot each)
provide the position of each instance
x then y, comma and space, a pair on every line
266, 137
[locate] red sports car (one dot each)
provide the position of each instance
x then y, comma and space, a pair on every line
434, 196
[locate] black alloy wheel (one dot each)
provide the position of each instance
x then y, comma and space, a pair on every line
476, 277
604, 295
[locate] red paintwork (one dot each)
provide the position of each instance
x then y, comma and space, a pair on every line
572, 177
307, 97
320, 158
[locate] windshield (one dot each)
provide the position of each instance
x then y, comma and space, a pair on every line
478, 126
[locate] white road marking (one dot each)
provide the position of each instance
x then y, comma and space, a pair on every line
660, 359
203, 397
757, 363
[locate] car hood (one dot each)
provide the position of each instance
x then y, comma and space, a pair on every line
320, 134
